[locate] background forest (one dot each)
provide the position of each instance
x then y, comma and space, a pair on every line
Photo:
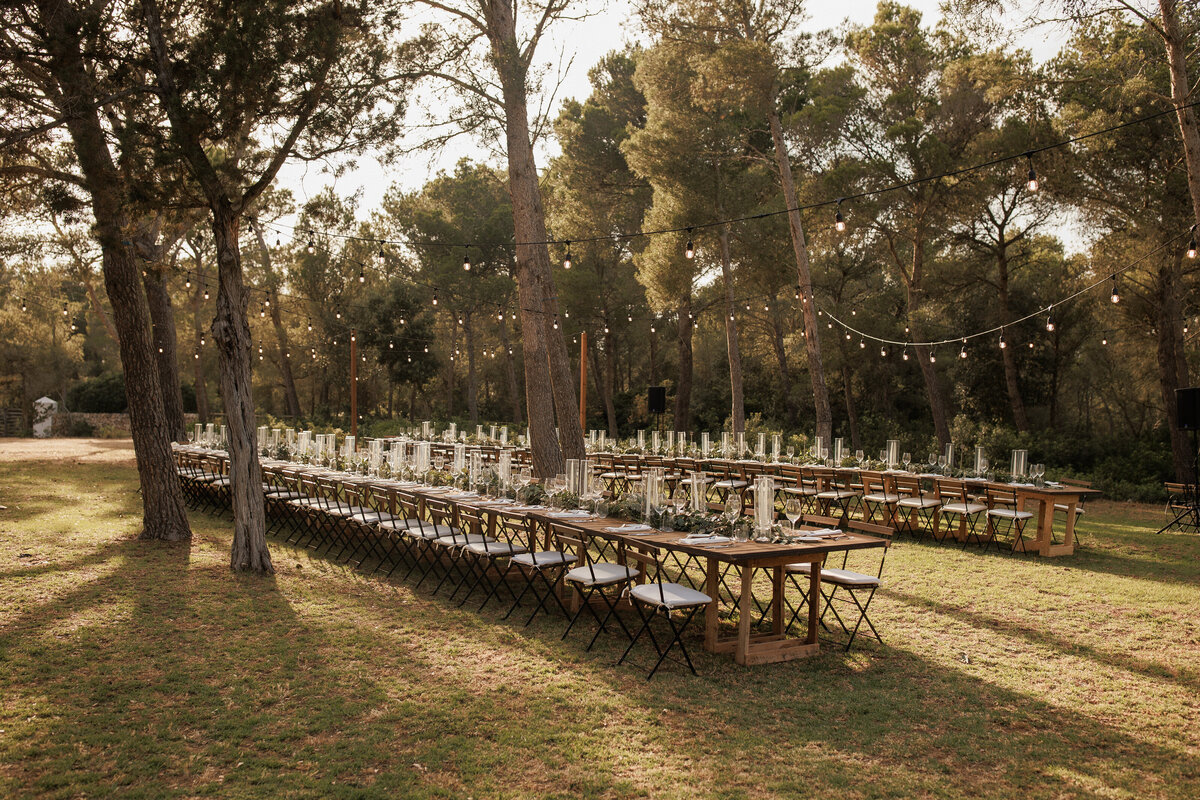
684, 134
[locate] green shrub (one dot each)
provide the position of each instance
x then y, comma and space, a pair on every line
103, 394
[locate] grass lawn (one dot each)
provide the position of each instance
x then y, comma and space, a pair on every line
132, 669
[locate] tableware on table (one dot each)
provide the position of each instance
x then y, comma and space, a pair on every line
793, 509
906, 459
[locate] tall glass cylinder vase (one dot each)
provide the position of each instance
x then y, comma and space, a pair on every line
764, 504
1019, 463
893, 453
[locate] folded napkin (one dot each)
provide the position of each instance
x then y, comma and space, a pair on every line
1028, 485
710, 539
579, 512
823, 533
629, 528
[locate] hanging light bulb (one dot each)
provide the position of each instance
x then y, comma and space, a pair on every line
882, 351
862, 344
690, 251
797, 291
567, 257
187, 282
1104, 341
262, 310
435, 297
202, 341
1003, 344
382, 255
64, 308
338, 314
197, 355
1049, 322
839, 222
466, 260
963, 352
205, 292
309, 321
606, 329
500, 317
904, 355
460, 320
932, 355
362, 274
1031, 345
391, 345
426, 348
652, 329
353, 337
847, 336
410, 359
1191, 251
23, 306
1031, 179
1115, 297
556, 322
312, 243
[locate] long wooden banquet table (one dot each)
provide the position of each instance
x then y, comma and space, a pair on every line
747, 558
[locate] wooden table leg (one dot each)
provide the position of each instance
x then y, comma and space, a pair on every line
711, 618
777, 612
747, 600
814, 601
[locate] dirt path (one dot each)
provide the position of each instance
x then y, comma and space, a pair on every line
115, 451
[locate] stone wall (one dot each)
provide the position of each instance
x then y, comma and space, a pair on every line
115, 423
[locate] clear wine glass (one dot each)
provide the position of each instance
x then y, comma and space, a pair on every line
860, 457
941, 462
793, 509
791, 452
906, 459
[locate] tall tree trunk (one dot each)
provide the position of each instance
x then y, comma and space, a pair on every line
812, 332
98, 309
548, 384
163, 513
166, 356
198, 356
738, 411
231, 333
785, 375
683, 389
510, 376
1007, 356
1172, 366
1181, 93
603, 383
472, 375
291, 398
848, 391
933, 386
609, 384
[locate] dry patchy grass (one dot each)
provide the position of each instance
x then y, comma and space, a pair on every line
136, 669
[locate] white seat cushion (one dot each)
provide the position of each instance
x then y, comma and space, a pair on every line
804, 491
918, 502
399, 523
427, 530
284, 495
490, 547
221, 481
546, 558
837, 494
669, 595
799, 569
876, 497
963, 508
1064, 508
1008, 513
731, 484
846, 577
601, 574
457, 539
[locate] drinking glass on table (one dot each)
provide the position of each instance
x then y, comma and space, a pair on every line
906, 459
793, 509
932, 462
941, 462
860, 457
791, 452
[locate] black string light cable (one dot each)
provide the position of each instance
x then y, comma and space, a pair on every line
999, 329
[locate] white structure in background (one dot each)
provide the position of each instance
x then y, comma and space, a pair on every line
44, 410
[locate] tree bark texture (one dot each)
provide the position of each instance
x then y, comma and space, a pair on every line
290, 396
1007, 355
683, 388
166, 355
231, 333
812, 333
510, 376
163, 513
738, 412
548, 384
1181, 93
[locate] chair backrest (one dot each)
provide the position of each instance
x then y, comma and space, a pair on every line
998, 495
872, 481
884, 532
908, 486
441, 512
573, 541
949, 489
648, 564
470, 520
820, 521
408, 504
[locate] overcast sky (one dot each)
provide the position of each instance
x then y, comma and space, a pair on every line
587, 41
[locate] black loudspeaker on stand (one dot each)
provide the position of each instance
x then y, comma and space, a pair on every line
1187, 408
656, 402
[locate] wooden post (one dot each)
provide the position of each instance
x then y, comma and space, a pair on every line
354, 383
583, 381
